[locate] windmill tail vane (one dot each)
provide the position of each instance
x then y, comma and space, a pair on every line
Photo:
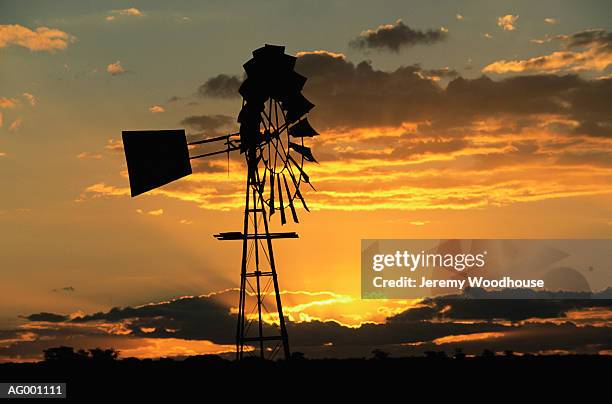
273, 127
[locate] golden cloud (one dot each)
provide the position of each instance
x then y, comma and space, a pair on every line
7, 102
592, 52
88, 155
38, 40
32, 100
507, 22
132, 11
322, 52
395, 168
115, 69
156, 109
15, 125
168, 347
468, 337
590, 59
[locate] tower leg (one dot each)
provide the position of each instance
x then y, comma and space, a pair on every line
279, 305
264, 336
243, 271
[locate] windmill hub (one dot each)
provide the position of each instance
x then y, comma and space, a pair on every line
273, 127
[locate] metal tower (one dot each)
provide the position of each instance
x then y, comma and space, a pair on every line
273, 126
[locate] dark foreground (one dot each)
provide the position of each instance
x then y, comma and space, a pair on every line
208, 376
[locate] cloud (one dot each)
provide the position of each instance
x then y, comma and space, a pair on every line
115, 69
393, 37
403, 140
15, 125
508, 22
550, 20
221, 86
8, 102
88, 155
156, 109
590, 38
107, 190
65, 289
132, 11
212, 124
49, 317
31, 99
42, 39
345, 94
445, 323
114, 146
594, 53
156, 212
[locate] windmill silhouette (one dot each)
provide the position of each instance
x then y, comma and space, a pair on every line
273, 126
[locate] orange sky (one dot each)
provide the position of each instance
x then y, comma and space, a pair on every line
414, 143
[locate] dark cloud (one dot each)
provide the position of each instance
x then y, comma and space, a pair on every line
488, 310
65, 289
220, 86
44, 316
395, 36
198, 317
349, 96
212, 124
440, 73
520, 325
590, 38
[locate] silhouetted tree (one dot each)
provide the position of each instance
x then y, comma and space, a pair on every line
380, 354
459, 354
64, 354
103, 355
487, 353
298, 356
436, 355
205, 359
509, 352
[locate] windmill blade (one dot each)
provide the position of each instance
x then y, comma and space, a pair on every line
303, 174
304, 151
302, 129
297, 191
262, 185
297, 106
288, 84
155, 158
280, 201
271, 193
293, 213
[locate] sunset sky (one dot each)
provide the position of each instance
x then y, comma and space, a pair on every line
451, 119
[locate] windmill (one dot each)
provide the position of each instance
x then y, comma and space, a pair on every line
273, 126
